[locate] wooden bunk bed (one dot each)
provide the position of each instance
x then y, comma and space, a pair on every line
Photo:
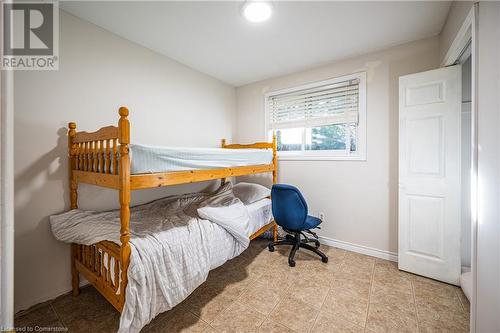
101, 158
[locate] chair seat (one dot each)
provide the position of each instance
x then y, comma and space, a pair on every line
311, 222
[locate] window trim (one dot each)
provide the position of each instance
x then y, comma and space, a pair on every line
359, 155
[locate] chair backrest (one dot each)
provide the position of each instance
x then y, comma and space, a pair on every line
289, 206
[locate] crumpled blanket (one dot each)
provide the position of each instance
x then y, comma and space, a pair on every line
173, 249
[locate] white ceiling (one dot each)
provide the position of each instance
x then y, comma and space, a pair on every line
214, 38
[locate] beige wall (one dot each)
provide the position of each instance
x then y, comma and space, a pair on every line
456, 17
170, 104
359, 198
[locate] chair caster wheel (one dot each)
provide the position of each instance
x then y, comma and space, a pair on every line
325, 259
291, 263
271, 248
317, 244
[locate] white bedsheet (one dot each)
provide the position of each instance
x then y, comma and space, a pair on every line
260, 214
172, 249
151, 159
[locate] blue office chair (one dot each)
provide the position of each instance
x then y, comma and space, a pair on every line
290, 212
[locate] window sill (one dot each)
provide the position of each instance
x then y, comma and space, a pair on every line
320, 158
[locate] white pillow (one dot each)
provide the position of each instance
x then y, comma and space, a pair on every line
250, 193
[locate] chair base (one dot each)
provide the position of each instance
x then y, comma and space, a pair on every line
297, 243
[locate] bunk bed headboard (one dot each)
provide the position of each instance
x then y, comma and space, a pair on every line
95, 157
97, 152
259, 145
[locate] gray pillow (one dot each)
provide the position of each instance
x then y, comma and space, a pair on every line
249, 193
223, 196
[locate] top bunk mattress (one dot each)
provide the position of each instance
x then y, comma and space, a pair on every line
153, 159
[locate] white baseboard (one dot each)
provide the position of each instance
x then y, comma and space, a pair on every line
369, 251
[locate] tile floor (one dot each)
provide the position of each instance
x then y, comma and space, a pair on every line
258, 292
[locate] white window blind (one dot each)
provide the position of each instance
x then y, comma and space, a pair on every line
336, 103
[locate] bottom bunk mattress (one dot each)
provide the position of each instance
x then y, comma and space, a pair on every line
173, 249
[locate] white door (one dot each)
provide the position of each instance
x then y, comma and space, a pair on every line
429, 173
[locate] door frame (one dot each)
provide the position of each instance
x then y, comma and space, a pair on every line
468, 34
6, 196
7, 200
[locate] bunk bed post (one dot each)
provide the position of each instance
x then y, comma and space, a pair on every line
124, 195
222, 145
275, 159
72, 166
275, 178
73, 196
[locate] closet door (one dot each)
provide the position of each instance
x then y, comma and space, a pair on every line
429, 173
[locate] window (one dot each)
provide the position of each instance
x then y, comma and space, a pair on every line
323, 120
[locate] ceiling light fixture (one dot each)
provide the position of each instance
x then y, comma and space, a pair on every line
257, 11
